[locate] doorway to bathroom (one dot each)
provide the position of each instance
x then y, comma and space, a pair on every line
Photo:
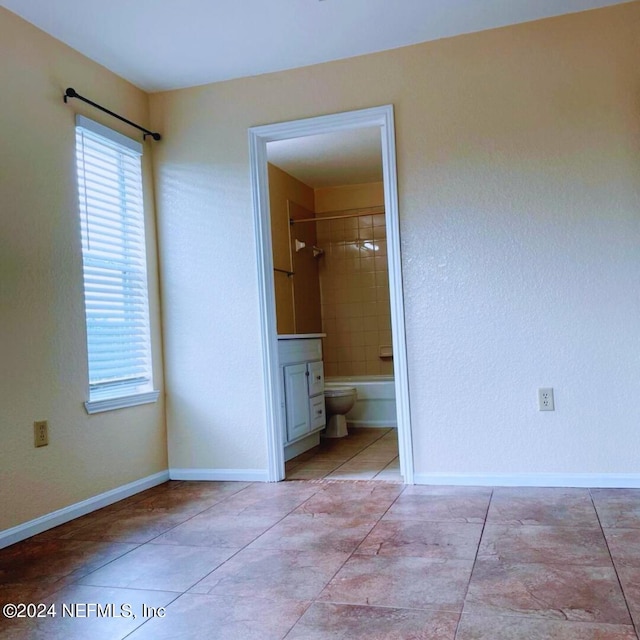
329, 267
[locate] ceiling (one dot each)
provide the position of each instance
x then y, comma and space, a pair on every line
332, 159
170, 44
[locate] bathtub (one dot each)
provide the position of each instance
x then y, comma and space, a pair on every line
376, 403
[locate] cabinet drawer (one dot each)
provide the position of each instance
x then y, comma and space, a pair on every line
316, 411
316, 378
292, 351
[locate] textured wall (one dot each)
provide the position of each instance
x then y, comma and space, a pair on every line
42, 335
518, 170
297, 296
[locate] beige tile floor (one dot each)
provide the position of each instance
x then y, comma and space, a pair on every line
365, 454
342, 559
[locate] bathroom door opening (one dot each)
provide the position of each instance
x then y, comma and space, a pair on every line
380, 121
348, 248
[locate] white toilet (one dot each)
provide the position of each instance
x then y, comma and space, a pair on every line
338, 401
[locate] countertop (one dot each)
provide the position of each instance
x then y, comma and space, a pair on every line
301, 336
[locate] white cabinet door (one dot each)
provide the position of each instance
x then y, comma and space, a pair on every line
297, 400
316, 378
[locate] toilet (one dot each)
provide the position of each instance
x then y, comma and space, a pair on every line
338, 402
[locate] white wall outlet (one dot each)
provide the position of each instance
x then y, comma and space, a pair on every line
545, 399
41, 433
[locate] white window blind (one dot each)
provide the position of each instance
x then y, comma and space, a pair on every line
114, 262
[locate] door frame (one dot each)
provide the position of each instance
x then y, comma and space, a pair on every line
259, 136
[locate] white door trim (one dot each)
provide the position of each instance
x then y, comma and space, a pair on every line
258, 138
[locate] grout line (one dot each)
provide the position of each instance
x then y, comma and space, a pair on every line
311, 602
473, 566
288, 513
314, 600
385, 468
615, 568
139, 544
357, 546
355, 455
150, 541
178, 595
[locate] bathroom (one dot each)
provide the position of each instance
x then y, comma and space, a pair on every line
331, 281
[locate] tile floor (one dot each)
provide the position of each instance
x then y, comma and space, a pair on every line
321, 559
365, 454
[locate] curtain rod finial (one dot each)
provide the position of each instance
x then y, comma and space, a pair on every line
69, 93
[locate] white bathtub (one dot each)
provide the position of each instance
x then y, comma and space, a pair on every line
376, 403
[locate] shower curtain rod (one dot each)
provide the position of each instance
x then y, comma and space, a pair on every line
356, 213
72, 93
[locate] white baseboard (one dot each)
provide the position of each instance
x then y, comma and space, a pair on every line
233, 475
383, 424
60, 516
587, 480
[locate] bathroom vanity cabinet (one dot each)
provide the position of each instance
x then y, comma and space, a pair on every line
302, 396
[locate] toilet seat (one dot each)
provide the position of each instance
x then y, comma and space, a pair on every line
339, 393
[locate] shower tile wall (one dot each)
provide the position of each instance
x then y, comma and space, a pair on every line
354, 289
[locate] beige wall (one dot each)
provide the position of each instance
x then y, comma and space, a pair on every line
306, 278
354, 281
297, 296
350, 196
42, 335
519, 186
518, 171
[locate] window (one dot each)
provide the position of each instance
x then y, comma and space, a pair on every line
114, 266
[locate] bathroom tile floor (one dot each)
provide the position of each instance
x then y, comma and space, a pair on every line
320, 559
365, 454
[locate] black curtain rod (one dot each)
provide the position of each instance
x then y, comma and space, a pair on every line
72, 93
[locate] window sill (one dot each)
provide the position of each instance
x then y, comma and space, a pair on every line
110, 404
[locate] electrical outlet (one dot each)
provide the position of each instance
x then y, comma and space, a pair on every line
545, 399
41, 433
